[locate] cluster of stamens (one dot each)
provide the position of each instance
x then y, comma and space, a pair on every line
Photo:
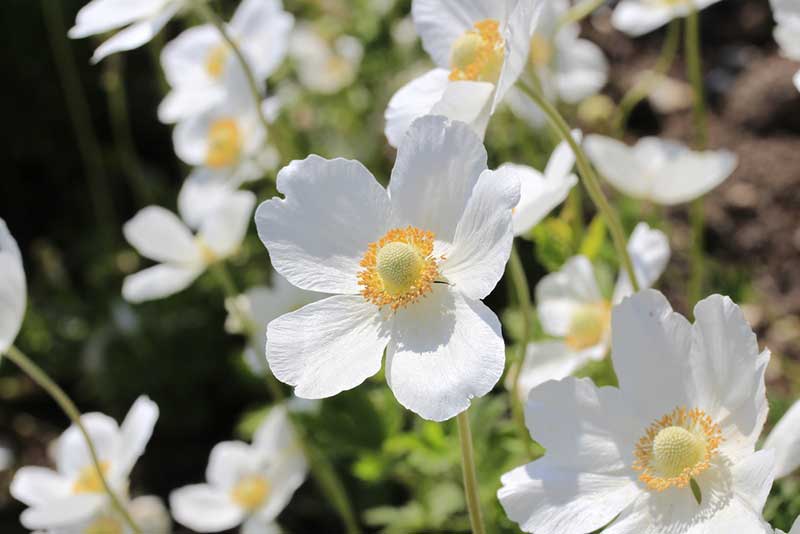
478, 54
399, 268
215, 60
224, 143
89, 480
676, 448
588, 325
250, 492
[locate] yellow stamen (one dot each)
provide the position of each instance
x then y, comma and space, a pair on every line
250, 492
206, 253
398, 268
89, 481
224, 143
104, 525
676, 448
542, 50
588, 325
478, 54
216, 59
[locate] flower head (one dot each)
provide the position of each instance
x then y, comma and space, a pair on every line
690, 406
638, 17
407, 268
13, 292
73, 493
247, 484
787, 32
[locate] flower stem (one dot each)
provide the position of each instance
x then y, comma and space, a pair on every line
648, 83
590, 181
694, 71
470, 476
65, 403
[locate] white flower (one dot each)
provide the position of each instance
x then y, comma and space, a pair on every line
408, 268
141, 19
158, 234
638, 17
13, 292
148, 512
260, 305
565, 67
325, 67
540, 193
73, 493
572, 310
198, 62
690, 405
660, 171
785, 441
787, 32
246, 484
479, 47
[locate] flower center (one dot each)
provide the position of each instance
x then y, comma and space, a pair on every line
89, 481
478, 54
588, 325
676, 448
542, 51
224, 143
215, 60
104, 525
398, 269
250, 492
206, 253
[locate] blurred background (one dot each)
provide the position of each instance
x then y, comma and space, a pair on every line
84, 151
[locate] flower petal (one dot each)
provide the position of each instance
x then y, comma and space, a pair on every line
204, 509
552, 360
692, 175
72, 455
559, 294
158, 234
263, 28
638, 18
412, 101
319, 233
158, 282
288, 473
539, 195
650, 252
13, 288
254, 525
225, 228
785, 441
619, 165
63, 512
438, 164
202, 193
468, 102
136, 430
445, 350
582, 70
520, 24
136, 34
229, 462
100, 16
36, 486
328, 346
482, 242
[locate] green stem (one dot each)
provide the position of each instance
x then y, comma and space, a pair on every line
580, 11
590, 181
650, 80
65, 403
694, 71
470, 476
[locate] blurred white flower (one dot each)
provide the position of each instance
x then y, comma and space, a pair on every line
141, 20
258, 306
407, 268
148, 512
479, 47
638, 17
689, 409
658, 170
247, 485
13, 289
572, 309
565, 67
785, 441
325, 67
73, 493
541, 193
787, 32
158, 234
198, 63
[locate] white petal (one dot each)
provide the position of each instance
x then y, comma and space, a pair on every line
445, 350
562, 160
13, 292
582, 71
638, 18
257, 526
159, 281
100, 16
183, 58
468, 102
412, 101
559, 294
275, 433
692, 175
619, 165
225, 228
63, 512
288, 473
72, 454
229, 462
319, 233
649, 251
36, 486
190, 138
482, 243
158, 234
204, 509
151, 514
181, 104
539, 195
263, 28
519, 27
438, 164
203, 192
785, 441
328, 346
136, 34
551, 360
795, 527
136, 430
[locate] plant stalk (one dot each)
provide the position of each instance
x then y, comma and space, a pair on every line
470, 475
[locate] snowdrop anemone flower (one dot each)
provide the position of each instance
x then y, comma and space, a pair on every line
787, 32
479, 47
690, 406
140, 21
13, 289
785, 441
564, 67
657, 170
257, 307
407, 268
160, 235
247, 485
572, 310
324, 67
73, 493
638, 17
541, 193
148, 512
198, 63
